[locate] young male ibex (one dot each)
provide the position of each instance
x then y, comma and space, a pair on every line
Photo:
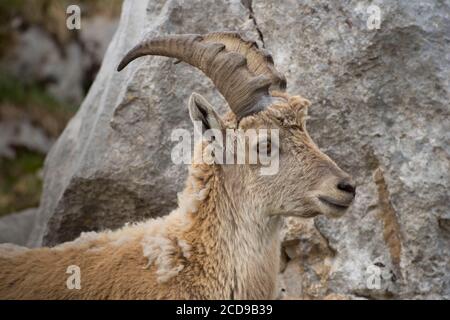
222, 242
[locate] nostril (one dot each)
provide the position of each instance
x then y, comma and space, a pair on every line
346, 186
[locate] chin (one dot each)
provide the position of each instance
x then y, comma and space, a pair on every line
316, 205
331, 209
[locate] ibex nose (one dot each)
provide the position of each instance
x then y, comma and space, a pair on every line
347, 186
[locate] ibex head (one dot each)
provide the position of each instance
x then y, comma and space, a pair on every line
307, 182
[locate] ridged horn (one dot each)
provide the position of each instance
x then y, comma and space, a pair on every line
259, 61
241, 71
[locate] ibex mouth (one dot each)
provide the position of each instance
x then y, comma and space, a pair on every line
340, 205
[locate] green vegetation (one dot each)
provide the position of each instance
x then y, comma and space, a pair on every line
14, 91
18, 99
20, 182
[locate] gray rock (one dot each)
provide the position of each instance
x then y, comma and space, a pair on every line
15, 228
380, 109
22, 133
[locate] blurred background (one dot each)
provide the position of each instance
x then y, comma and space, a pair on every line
45, 72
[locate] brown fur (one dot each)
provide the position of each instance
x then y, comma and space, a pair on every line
221, 243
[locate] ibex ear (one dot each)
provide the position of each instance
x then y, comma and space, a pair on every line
202, 111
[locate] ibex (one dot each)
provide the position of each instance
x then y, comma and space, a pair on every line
223, 241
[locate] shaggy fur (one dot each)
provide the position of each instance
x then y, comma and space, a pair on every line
222, 242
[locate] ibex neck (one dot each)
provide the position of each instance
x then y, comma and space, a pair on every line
241, 243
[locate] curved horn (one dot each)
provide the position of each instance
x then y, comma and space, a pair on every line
241, 71
259, 61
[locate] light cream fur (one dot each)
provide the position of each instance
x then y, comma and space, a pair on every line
222, 242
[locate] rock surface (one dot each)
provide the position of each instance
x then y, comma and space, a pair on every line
380, 109
16, 228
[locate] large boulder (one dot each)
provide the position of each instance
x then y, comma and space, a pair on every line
380, 109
